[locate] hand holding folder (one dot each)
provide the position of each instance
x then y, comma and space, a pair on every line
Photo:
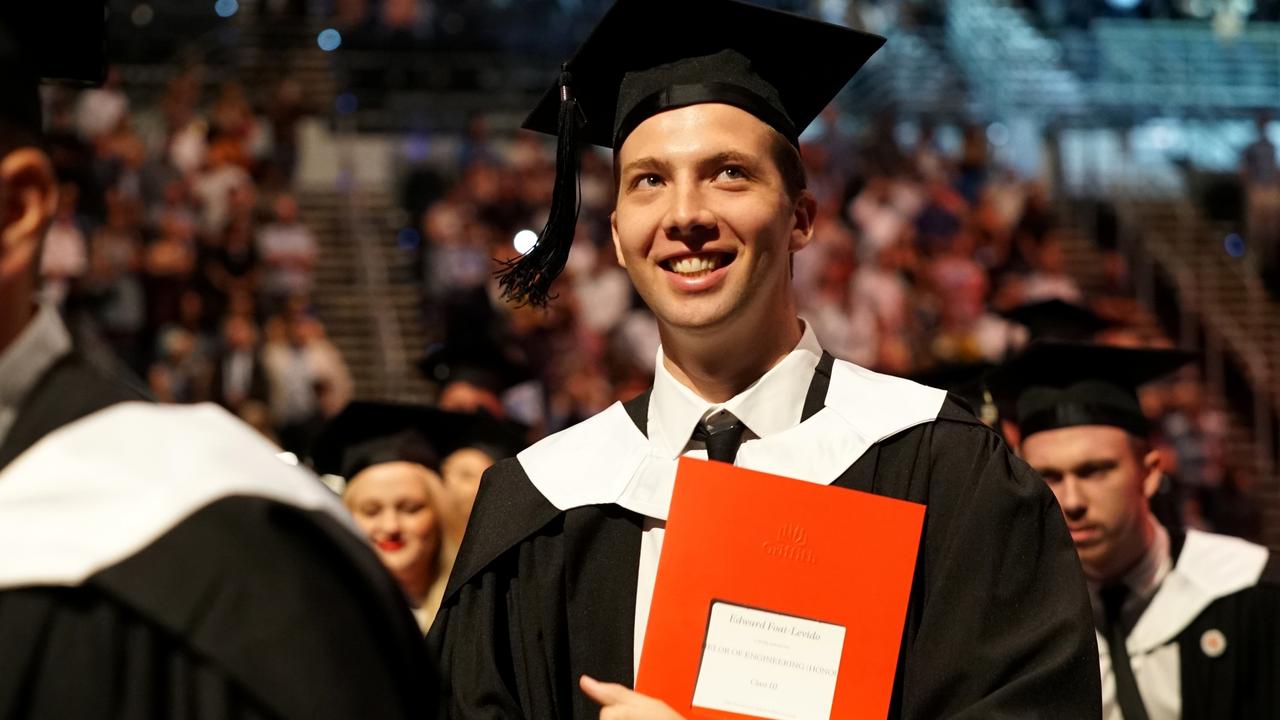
778, 598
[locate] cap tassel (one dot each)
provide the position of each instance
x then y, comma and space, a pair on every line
527, 280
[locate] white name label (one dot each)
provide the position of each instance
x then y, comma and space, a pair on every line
768, 665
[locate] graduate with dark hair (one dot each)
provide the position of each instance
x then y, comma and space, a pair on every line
546, 610
159, 561
1188, 622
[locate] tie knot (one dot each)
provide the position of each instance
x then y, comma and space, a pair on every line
1113, 597
722, 433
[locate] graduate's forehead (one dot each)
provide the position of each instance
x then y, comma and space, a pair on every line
1063, 448
697, 131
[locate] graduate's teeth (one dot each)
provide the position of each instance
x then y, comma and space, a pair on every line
695, 264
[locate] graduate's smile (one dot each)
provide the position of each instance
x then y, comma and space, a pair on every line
697, 272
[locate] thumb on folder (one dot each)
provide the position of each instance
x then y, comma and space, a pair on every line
618, 702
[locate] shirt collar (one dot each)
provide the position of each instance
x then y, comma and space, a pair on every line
40, 344
1143, 579
770, 405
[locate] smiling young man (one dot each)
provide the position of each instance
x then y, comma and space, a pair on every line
703, 104
1188, 624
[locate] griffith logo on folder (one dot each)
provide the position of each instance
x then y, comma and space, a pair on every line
778, 598
790, 544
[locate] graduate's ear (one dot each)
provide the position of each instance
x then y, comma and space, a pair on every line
617, 244
1154, 473
28, 200
806, 210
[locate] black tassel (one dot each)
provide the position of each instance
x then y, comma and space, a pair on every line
527, 280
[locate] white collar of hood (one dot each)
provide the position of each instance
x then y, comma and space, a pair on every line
102, 488
770, 405
1210, 567
606, 459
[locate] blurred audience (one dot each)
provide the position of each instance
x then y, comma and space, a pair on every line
182, 239
178, 237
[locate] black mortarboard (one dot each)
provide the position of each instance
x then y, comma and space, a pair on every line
966, 380
58, 40
1054, 385
482, 363
369, 433
648, 56
1058, 320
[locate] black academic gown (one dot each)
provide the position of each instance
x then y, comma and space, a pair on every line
1244, 681
1229, 652
998, 625
247, 608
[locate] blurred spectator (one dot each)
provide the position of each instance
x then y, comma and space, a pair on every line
601, 287
846, 329
64, 257
180, 375
1260, 176
285, 110
295, 407
1049, 279
223, 173
168, 265
239, 375
967, 331
973, 167
100, 110
112, 284
288, 252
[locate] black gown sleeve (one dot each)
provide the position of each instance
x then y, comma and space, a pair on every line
77, 653
247, 609
1000, 624
488, 637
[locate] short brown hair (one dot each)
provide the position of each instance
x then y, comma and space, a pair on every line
787, 157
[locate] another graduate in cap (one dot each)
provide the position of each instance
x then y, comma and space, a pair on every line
411, 475
1058, 320
1188, 625
703, 104
159, 561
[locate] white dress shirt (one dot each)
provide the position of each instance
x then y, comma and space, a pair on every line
43, 342
770, 405
1155, 672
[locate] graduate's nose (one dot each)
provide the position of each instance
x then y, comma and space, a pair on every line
1073, 502
688, 217
387, 522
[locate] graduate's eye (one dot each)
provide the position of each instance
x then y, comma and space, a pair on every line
1095, 469
411, 508
647, 180
733, 172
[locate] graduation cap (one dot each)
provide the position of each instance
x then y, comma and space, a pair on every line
1053, 385
966, 380
481, 363
645, 57
369, 433
53, 40
1058, 320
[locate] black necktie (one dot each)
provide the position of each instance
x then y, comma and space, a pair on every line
1127, 695
722, 435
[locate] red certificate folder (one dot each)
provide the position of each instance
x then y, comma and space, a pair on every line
785, 546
